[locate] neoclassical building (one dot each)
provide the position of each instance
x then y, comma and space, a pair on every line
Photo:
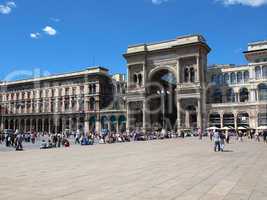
169, 85
86, 100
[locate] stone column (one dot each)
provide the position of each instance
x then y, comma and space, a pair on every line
86, 125
117, 125
178, 115
43, 124
199, 115
49, 125
178, 71
197, 72
78, 123
128, 114
221, 118
144, 116
70, 124
235, 118
187, 120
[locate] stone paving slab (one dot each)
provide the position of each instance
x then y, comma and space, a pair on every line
167, 169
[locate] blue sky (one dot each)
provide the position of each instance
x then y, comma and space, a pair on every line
67, 35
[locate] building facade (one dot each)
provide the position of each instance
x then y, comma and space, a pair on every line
169, 85
88, 100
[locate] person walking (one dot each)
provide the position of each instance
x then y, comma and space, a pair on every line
264, 136
216, 139
222, 141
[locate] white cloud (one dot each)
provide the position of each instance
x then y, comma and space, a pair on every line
253, 3
158, 2
35, 35
6, 8
50, 31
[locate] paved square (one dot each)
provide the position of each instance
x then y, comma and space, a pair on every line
166, 169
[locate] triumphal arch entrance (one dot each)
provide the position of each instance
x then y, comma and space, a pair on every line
167, 84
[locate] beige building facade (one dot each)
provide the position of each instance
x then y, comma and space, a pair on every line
88, 100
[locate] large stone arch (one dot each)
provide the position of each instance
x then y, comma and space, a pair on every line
162, 68
163, 102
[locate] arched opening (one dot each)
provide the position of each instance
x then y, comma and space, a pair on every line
230, 95
186, 75
28, 125
92, 104
34, 125
163, 101
46, 125
40, 125
122, 123
140, 79
262, 89
22, 125
52, 126
244, 95
264, 71
92, 122
104, 122
16, 124
113, 123
192, 74
243, 119
262, 119
215, 120
12, 124
135, 78
6, 124
229, 120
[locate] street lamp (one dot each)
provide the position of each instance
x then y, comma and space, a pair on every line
162, 94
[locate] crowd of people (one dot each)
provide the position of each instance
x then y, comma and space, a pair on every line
57, 140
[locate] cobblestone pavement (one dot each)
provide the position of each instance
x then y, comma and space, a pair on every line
166, 169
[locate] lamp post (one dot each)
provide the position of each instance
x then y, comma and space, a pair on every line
162, 94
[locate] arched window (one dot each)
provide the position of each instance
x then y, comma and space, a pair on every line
94, 88
239, 77
92, 104
192, 75
262, 89
140, 79
215, 120
230, 95
244, 95
233, 78
264, 71
246, 76
226, 79
186, 75
243, 119
135, 78
90, 89
229, 120
258, 72
262, 119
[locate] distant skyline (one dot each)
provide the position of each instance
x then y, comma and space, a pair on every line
63, 36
